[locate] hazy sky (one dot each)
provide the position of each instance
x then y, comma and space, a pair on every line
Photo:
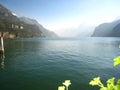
59, 15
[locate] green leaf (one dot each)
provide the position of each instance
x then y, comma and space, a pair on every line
61, 88
117, 61
110, 84
110, 81
103, 88
117, 87
96, 81
118, 82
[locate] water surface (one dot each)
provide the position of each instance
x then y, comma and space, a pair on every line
43, 64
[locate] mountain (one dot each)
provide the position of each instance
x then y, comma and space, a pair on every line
107, 29
12, 26
46, 32
116, 31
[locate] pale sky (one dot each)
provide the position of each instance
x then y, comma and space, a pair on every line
58, 15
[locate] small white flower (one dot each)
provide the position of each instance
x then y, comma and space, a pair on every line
67, 83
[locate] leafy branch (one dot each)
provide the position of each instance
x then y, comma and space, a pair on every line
110, 82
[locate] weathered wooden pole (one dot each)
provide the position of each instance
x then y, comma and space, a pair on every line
2, 51
2, 46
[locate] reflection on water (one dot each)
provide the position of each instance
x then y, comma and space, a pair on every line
2, 60
3, 63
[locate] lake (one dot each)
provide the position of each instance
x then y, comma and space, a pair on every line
45, 63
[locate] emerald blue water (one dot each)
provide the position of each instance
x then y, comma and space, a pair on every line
43, 64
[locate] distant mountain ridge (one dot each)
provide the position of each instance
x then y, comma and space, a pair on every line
13, 27
107, 29
46, 32
116, 31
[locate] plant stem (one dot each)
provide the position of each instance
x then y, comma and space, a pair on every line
66, 88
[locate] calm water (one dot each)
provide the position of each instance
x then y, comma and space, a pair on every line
43, 64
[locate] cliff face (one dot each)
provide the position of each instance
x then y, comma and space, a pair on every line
116, 31
46, 32
107, 29
13, 27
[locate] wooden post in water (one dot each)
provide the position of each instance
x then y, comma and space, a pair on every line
2, 46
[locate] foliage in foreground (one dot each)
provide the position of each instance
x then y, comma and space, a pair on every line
111, 84
65, 85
